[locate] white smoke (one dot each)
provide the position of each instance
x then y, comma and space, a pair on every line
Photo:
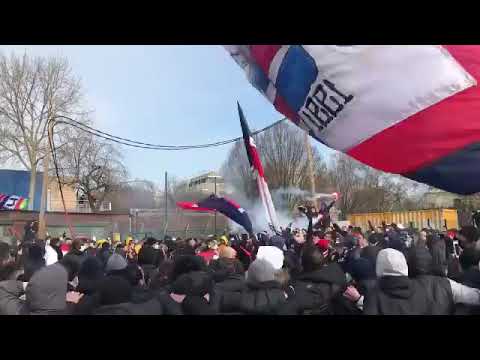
258, 215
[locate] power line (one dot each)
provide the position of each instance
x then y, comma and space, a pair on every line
133, 143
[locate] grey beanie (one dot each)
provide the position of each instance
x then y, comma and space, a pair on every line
116, 262
261, 271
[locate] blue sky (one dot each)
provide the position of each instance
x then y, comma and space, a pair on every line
172, 95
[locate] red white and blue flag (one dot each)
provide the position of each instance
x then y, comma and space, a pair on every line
412, 110
225, 206
257, 168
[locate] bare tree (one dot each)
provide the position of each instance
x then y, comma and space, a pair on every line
33, 91
94, 167
364, 189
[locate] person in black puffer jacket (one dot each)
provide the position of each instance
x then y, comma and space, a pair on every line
90, 276
193, 294
114, 298
319, 285
228, 275
264, 294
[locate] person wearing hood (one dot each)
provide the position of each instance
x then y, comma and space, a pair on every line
114, 298
263, 295
397, 294
319, 284
45, 293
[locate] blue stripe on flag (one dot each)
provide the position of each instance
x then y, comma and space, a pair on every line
457, 173
296, 74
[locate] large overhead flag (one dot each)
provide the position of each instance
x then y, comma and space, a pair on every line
412, 110
257, 168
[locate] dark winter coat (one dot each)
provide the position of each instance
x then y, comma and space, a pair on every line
151, 307
400, 295
315, 291
45, 293
267, 298
76, 256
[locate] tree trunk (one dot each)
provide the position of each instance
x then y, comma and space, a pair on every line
31, 191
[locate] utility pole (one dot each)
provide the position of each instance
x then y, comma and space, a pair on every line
215, 223
166, 204
42, 224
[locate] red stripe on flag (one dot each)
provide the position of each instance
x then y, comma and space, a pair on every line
185, 205
264, 54
232, 202
432, 133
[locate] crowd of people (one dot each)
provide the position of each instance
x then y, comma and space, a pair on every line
322, 270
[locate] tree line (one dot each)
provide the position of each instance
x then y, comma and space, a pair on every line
34, 91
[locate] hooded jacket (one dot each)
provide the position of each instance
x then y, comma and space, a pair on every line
397, 294
314, 291
263, 294
45, 293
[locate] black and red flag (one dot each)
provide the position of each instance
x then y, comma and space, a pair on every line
256, 165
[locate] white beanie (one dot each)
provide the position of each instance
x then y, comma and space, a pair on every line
272, 254
391, 262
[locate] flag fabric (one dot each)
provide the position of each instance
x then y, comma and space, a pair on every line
256, 165
412, 110
13, 202
229, 208
225, 206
